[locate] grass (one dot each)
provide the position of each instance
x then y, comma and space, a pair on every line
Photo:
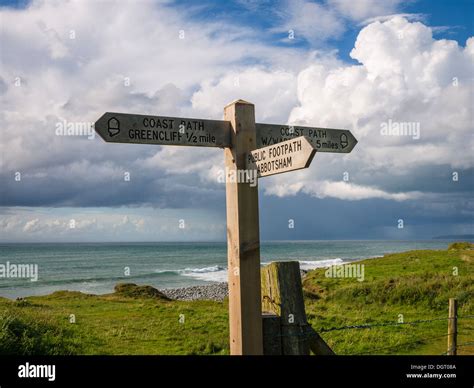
412, 286
117, 324
136, 320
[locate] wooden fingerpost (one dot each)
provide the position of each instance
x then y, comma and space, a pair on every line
243, 241
452, 327
237, 134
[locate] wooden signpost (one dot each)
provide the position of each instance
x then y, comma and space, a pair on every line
269, 149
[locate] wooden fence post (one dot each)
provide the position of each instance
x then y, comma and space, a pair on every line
282, 294
283, 301
271, 334
243, 241
452, 327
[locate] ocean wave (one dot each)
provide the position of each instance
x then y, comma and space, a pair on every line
215, 273
218, 273
166, 271
214, 268
308, 265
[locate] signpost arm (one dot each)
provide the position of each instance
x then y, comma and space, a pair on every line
243, 242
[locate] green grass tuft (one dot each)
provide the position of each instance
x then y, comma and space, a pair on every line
24, 334
460, 246
133, 291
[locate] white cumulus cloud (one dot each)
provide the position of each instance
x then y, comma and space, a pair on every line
405, 76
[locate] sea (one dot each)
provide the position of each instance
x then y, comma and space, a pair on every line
97, 267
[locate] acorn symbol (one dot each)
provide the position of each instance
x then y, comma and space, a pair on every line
113, 126
344, 142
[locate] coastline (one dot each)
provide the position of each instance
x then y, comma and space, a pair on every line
219, 291
144, 320
77, 267
213, 291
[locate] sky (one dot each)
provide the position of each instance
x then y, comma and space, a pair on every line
362, 65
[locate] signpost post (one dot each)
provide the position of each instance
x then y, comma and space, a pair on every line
243, 237
281, 148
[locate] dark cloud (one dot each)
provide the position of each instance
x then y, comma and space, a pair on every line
317, 219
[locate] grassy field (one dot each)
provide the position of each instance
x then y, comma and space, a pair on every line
415, 284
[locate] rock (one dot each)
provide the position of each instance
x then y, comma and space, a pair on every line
215, 291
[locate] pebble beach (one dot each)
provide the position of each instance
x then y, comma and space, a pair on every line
215, 291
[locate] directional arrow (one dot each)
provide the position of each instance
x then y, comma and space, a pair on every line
289, 155
323, 139
144, 129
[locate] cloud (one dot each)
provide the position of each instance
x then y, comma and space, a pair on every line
140, 224
403, 75
315, 22
412, 17
318, 23
404, 78
81, 64
31, 225
128, 223
274, 97
339, 190
363, 9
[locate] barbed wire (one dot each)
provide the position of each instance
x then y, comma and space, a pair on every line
369, 325
306, 334
380, 324
471, 343
402, 344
